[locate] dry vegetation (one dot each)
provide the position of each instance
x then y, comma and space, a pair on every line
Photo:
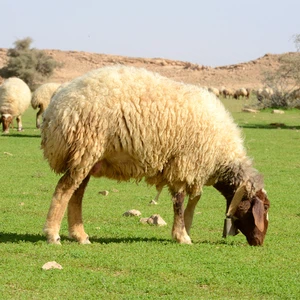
248, 74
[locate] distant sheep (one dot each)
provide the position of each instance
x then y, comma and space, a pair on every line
15, 97
242, 92
214, 91
265, 93
41, 98
122, 123
227, 92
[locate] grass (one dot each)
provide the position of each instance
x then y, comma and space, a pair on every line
129, 260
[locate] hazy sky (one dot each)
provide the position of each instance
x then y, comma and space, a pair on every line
210, 32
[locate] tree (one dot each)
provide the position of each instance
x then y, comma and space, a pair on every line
29, 64
285, 81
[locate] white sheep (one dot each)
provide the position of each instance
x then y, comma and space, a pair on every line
122, 123
265, 93
41, 98
15, 97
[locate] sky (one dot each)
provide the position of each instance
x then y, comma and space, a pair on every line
205, 32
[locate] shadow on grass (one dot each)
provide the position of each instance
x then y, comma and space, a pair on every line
22, 135
10, 237
270, 126
128, 240
222, 241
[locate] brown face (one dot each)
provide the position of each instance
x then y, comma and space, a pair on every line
6, 121
251, 218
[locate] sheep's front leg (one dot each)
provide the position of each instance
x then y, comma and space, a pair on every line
76, 229
62, 194
189, 212
179, 232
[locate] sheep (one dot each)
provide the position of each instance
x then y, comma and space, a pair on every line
265, 93
242, 92
15, 97
227, 92
128, 123
41, 98
214, 91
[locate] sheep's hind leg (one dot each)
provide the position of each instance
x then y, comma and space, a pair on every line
62, 194
38, 125
178, 231
76, 229
19, 123
189, 212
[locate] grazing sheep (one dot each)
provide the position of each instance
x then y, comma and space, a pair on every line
41, 98
214, 91
242, 92
265, 93
122, 123
227, 92
15, 97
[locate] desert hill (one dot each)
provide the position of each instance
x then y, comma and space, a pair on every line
247, 74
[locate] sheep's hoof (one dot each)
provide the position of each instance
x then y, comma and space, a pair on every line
182, 239
85, 242
81, 239
54, 241
185, 240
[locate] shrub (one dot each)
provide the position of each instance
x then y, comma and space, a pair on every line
29, 64
284, 81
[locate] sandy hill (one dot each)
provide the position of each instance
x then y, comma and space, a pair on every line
248, 74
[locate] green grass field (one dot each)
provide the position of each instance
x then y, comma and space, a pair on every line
130, 260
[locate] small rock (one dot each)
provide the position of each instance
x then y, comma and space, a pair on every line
132, 213
104, 193
51, 265
144, 220
7, 153
250, 110
156, 220
277, 111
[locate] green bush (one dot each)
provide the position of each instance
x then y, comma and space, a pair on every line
29, 64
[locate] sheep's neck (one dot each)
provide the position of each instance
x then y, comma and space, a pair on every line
227, 190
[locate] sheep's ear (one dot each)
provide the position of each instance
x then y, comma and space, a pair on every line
258, 214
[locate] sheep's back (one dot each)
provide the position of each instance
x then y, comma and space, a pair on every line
43, 94
161, 125
15, 96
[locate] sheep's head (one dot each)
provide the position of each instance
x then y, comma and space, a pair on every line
249, 214
6, 120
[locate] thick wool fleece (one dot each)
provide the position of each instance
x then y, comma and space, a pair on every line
124, 122
42, 95
15, 97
